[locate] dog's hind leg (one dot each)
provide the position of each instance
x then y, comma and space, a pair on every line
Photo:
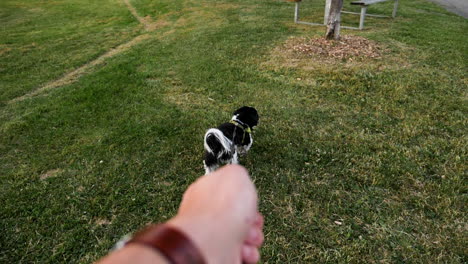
209, 169
235, 158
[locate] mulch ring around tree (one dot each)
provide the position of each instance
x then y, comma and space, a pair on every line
348, 48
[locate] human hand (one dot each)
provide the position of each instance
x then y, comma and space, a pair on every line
219, 213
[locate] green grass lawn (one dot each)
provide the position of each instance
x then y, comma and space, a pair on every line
355, 162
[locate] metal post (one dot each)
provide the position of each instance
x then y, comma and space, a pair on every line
327, 12
296, 13
395, 6
363, 16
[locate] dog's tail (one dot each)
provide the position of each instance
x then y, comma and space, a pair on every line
216, 143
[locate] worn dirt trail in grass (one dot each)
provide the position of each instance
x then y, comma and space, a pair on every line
77, 73
147, 22
74, 75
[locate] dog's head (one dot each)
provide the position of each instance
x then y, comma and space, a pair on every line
247, 115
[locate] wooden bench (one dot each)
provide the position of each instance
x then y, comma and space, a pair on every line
364, 4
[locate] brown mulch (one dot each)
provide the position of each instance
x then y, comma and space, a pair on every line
348, 47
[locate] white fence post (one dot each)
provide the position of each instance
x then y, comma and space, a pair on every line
395, 7
296, 13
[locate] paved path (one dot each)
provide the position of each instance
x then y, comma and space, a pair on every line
459, 7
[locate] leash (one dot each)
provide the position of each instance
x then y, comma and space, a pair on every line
233, 136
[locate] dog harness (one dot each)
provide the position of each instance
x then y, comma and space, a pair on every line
239, 124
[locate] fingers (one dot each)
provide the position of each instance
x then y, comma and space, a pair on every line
254, 237
259, 220
234, 182
255, 232
250, 249
234, 178
250, 254
235, 174
232, 169
236, 204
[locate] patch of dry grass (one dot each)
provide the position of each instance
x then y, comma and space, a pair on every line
50, 174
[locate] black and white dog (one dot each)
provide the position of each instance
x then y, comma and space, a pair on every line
223, 144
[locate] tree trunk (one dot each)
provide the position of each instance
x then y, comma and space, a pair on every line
334, 19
